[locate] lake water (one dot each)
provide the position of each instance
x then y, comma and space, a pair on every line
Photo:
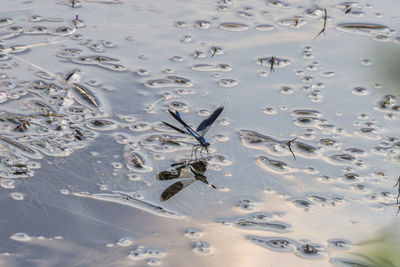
305, 154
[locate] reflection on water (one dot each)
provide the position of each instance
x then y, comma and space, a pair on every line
196, 168
305, 154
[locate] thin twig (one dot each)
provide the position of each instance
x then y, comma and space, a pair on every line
323, 29
398, 190
289, 144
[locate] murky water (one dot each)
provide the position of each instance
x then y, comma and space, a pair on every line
305, 152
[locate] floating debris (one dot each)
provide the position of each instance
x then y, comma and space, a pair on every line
85, 93
134, 161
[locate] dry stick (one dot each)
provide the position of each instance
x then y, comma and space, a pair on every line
323, 29
214, 52
398, 190
289, 144
297, 19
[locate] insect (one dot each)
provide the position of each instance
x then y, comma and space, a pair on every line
76, 21
296, 21
196, 54
272, 61
201, 130
197, 168
348, 9
323, 29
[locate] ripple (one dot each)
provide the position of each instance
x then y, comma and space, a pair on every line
269, 111
202, 24
22, 237
295, 22
124, 242
278, 4
17, 196
368, 29
8, 35
304, 205
233, 27
310, 251
180, 24
202, 247
307, 121
265, 27
369, 133
275, 166
342, 158
337, 243
228, 82
193, 233
134, 161
5, 22
328, 74
69, 53
3, 97
359, 91
37, 30
220, 160
113, 67
170, 81
274, 243
101, 125
209, 67
287, 90
314, 12
63, 30
7, 184
278, 227
246, 204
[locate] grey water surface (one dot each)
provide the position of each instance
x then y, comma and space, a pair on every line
305, 153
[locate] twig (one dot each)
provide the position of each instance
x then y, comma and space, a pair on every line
398, 190
289, 144
323, 29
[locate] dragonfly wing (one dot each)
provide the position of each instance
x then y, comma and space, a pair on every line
177, 117
169, 175
173, 189
175, 128
205, 125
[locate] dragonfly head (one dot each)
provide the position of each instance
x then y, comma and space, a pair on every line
206, 145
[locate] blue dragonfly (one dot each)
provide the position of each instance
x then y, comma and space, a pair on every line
201, 130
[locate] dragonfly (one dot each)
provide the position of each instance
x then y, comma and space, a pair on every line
197, 168
201, 130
